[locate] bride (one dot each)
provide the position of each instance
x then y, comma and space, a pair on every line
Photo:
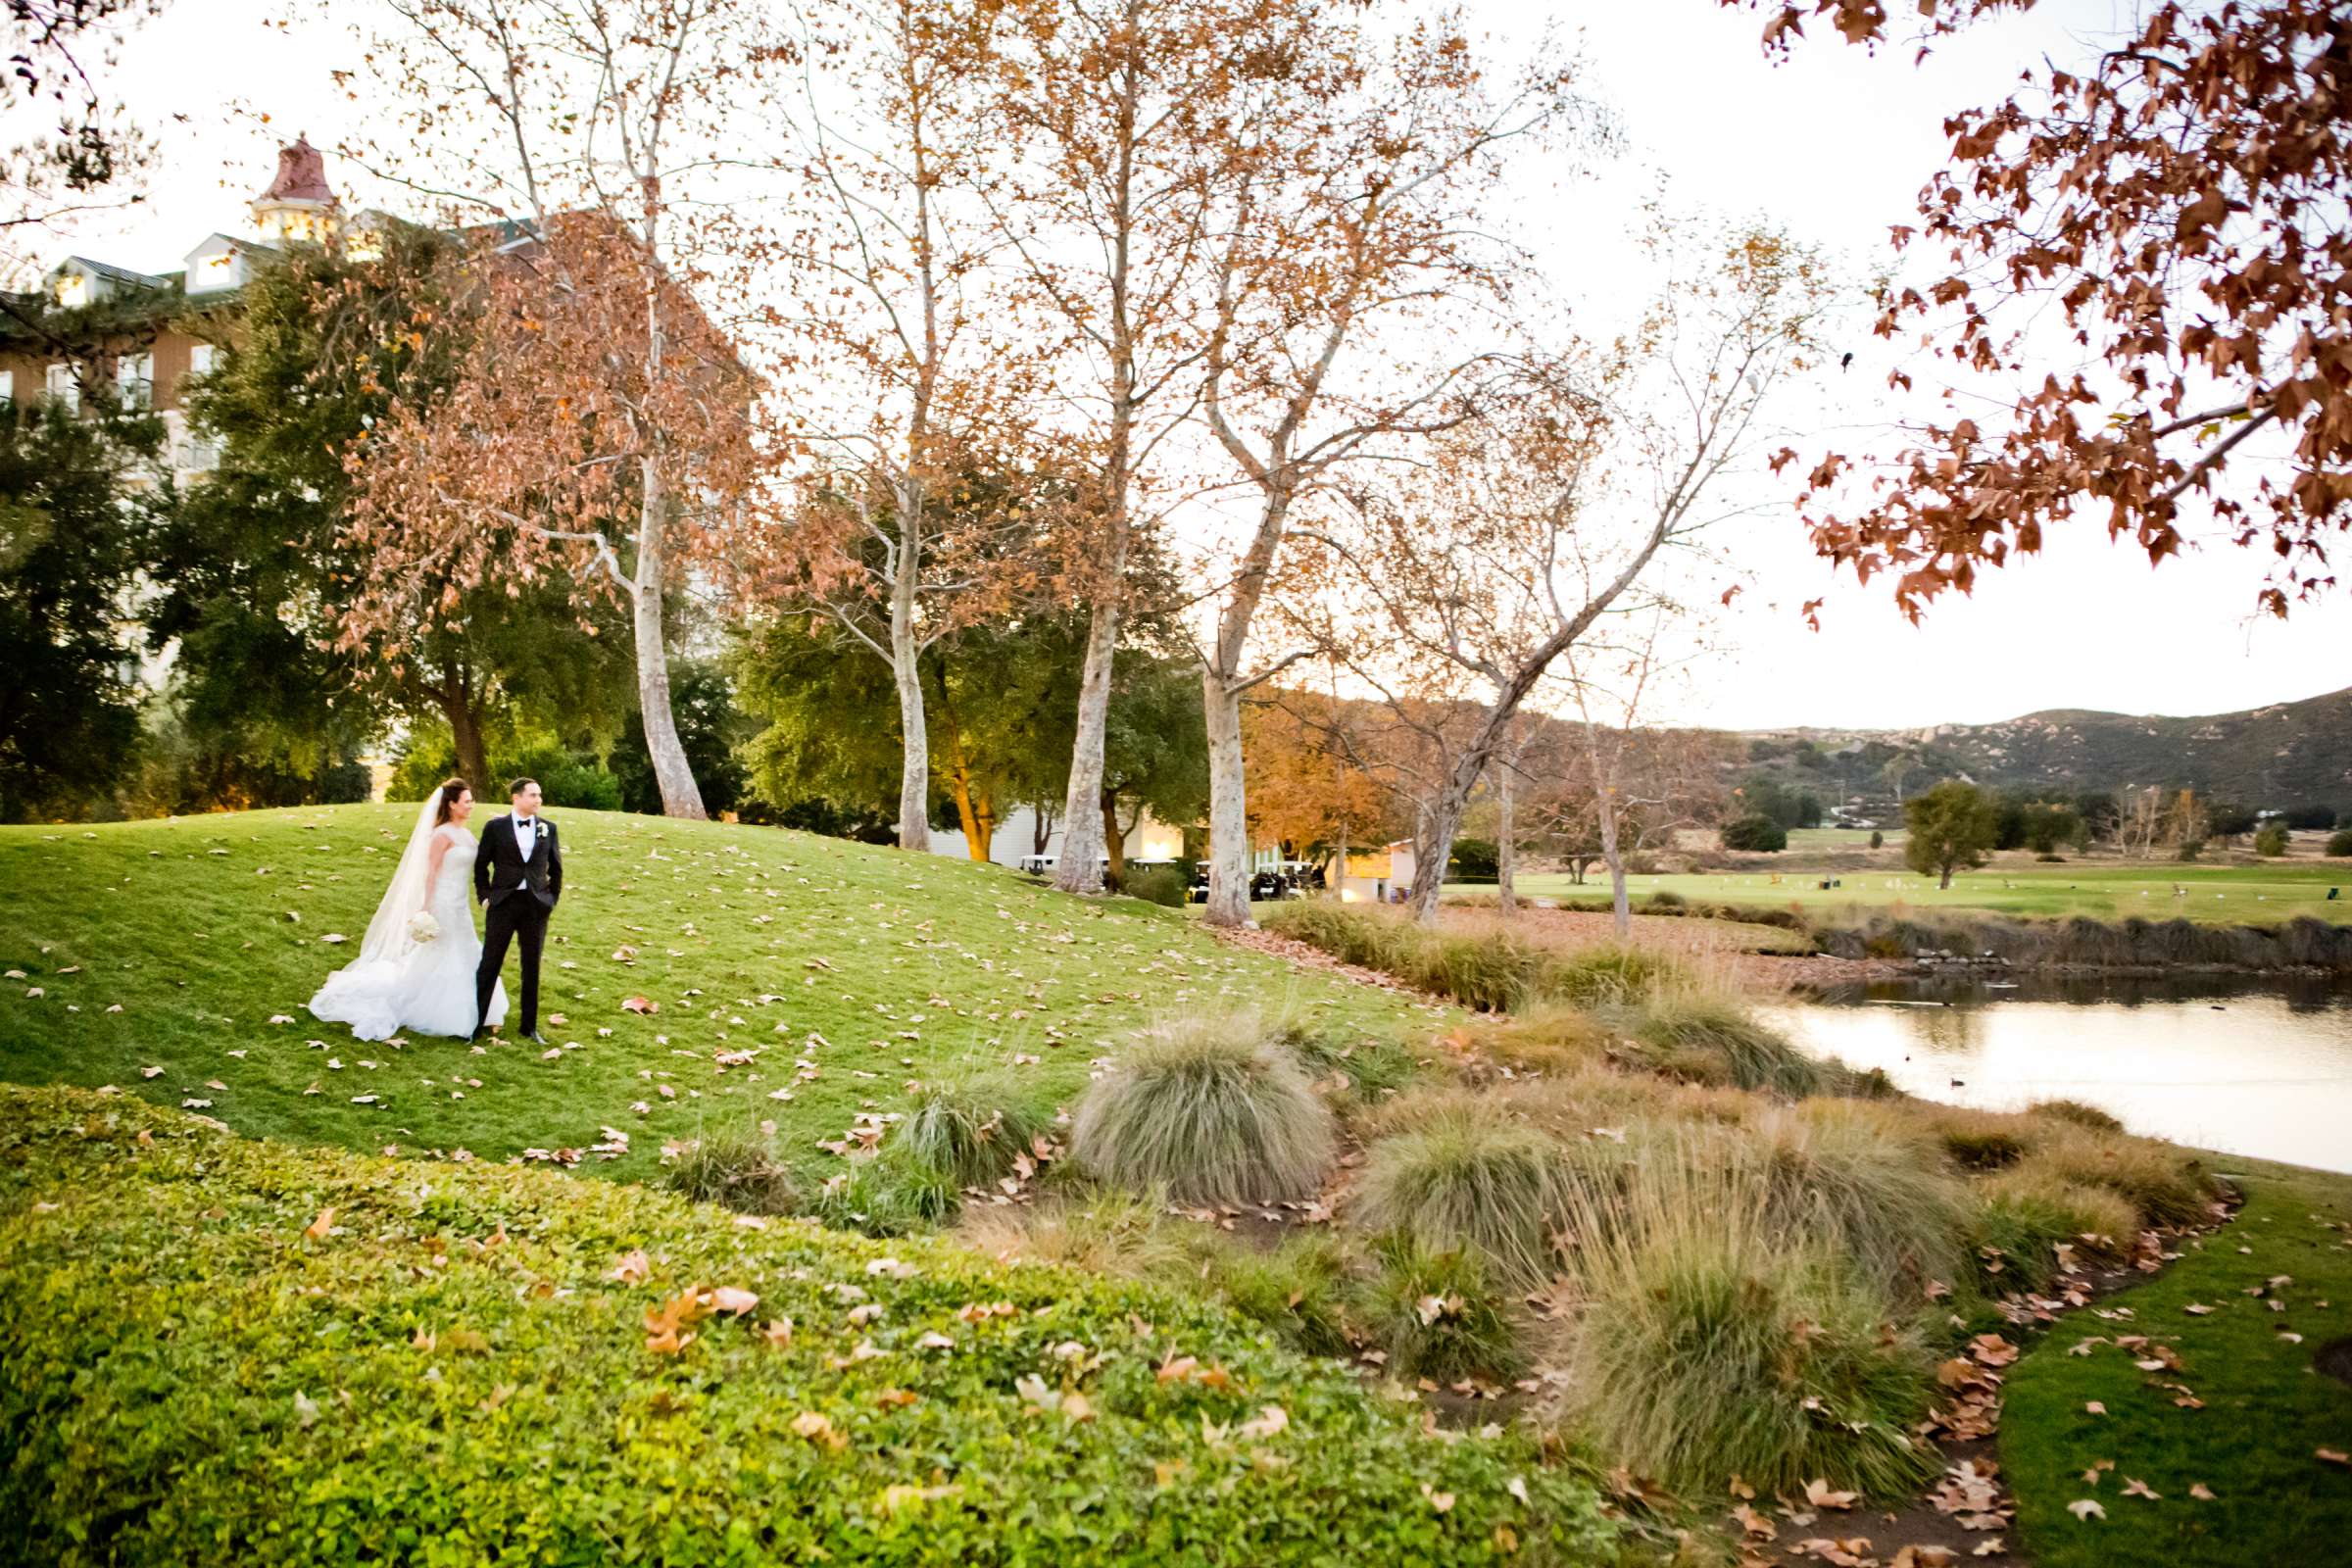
416, 967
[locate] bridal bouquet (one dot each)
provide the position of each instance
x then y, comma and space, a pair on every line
423, 927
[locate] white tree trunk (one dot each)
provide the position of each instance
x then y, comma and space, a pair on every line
1228, 804
1507, 858
1082, 846
680, 796
1433, 847
1619, 903
915, 735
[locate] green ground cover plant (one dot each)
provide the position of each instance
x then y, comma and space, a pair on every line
2245, 1313
227, 1349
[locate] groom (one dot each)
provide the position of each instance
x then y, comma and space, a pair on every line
518, 875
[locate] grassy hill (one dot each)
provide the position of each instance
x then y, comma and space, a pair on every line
798, 980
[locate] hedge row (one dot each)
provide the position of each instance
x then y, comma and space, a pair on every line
216, 1349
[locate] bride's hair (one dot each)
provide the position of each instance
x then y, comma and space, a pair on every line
449, 798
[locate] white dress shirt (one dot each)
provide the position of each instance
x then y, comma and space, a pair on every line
526, 837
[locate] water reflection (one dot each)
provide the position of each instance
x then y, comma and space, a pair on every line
2252, 1069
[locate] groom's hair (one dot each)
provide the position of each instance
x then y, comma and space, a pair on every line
449, 798
521, 784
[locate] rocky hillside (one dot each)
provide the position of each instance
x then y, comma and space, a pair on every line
2283, 755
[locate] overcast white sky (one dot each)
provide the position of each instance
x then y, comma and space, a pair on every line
1832, 145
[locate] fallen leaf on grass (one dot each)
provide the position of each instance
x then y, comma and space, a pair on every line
2334, 1457
633, 1266
150, 1072
316, 1229
2084, 1508
2094, 1408
2201, 1492
820, 1431
1754, 1523
2134, 1487
1819, 1494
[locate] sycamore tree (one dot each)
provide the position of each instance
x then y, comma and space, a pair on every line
1469, 576
602, 423
1351, 245
2175, 200
1119, 117
911, 386
1304, 790
59, 53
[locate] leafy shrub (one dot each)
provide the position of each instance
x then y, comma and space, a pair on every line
738, 1170
582, 786
1470, 1180
2339, 843
1475, 859
400, 1374
970, 1130
1164, 885
891, 1194
1878, 840
1755, 834
1210, 1111
1667, 898
1709, 1344
2270, 841
1437, 1314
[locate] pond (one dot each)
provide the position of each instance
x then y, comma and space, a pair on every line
2252, 1067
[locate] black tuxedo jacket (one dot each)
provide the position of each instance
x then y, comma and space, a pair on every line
499, 860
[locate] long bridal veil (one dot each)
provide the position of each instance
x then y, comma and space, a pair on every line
353, 993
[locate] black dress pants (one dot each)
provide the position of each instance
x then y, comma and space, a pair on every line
520, 919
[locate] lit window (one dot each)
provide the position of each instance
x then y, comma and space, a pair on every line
72, 289
64, 386
201, 359
134, 379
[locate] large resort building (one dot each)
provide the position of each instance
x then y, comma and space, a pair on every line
95, 328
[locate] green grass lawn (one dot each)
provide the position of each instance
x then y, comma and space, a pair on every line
2248, 895
169, 945
2266, 1411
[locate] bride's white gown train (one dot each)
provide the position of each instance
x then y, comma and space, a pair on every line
401, 985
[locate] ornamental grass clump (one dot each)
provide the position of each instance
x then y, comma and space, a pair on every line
2164, 1184
1468, 1179
1695, 1034
2022, 1218
1437, 1316
738, 1170
1707, 1343
1861, 1178
971, 1130
1609, 976
1210, 1112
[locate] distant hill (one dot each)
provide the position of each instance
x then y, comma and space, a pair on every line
2273, 758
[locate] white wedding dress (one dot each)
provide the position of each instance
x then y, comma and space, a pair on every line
399, 985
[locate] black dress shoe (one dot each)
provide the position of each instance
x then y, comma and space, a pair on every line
533, 1037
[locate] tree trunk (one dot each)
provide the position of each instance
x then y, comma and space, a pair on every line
1041, 829
1433, 847
1083, 841
1505, 855
680, 796
466, 729
1114, 841
1228, 804
914, 737
1621, 908
1338, 886
1945, 886
976, 834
